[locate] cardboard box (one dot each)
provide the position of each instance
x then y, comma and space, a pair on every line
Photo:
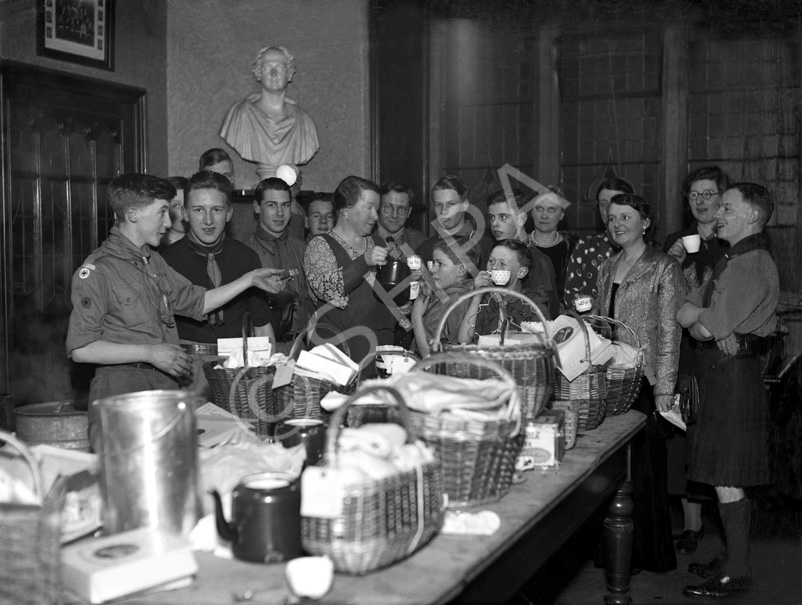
544, 445
569, 340
103, 569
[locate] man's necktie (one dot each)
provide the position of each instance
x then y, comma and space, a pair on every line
215, 277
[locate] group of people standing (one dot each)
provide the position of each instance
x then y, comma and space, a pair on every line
698, 315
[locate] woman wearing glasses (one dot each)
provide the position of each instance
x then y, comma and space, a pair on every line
702, 189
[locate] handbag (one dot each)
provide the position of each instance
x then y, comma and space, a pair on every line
688, 391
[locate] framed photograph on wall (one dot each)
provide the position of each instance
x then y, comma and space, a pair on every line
79, 31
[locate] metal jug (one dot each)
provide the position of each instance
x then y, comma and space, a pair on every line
265, 518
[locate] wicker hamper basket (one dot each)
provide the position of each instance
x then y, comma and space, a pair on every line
531, 365
301, 397
589, 389
30, 542
246, 392
478, 456
382, 520
623, 384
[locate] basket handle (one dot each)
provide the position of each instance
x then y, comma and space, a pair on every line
481, 292
247, 330
29, 458
338, 419
514, 404
584, 329
615, 322
310, 328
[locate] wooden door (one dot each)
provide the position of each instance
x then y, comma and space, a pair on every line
63, 138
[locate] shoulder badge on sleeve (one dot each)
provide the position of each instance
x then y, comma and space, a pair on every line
85, 271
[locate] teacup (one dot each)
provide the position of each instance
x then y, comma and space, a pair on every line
310, 577
691, 243
583, 304
414, 263
500, 277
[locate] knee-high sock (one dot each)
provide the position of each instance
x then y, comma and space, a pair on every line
735, 518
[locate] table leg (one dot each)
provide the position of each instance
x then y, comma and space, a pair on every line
618, 530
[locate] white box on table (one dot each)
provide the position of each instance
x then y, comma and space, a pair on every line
99, 570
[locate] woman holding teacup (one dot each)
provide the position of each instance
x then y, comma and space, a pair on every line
642, 287
341, 269
698, 250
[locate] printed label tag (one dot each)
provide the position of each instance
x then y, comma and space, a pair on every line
321, 493
283, 374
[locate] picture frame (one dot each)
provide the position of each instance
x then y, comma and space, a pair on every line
78, 31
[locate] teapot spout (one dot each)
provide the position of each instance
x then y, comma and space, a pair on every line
227, 531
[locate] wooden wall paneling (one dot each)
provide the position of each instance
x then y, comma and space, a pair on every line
399, 97
548, 109
53, 125
438, 45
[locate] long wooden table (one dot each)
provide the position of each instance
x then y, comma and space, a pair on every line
537, 516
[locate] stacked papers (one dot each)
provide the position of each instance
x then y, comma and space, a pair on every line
327, 362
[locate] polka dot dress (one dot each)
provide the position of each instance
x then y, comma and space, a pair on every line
583, 266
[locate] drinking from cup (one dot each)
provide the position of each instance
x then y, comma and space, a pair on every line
691, 243
500, 277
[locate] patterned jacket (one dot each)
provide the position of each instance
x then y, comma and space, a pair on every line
647, 301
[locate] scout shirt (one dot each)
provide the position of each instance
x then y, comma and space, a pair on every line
285, 252
125, 295
745, 294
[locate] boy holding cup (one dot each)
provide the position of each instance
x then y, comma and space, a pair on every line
508, 265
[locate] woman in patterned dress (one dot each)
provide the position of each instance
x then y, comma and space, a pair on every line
341, 269
592, 250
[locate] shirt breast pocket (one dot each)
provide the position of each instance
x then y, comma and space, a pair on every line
133, 305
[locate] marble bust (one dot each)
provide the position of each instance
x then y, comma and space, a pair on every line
268, 127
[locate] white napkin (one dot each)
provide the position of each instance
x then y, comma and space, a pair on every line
483, 523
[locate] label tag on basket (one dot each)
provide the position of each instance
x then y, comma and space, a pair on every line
283, 374
322, 493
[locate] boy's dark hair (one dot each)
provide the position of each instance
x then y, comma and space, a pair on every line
270, 184
136, 190
524, 255
206, 179
212, 156
759, 198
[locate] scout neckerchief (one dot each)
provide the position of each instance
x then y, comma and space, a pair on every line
757, 241
212, 268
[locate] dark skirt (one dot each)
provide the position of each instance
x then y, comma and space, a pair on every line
653, 545
731, 435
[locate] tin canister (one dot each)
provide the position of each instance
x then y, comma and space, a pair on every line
149, 461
